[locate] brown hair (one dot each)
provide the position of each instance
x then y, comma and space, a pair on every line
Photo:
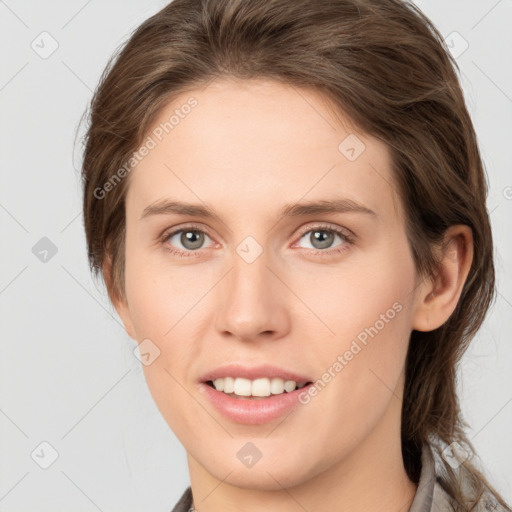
384, 65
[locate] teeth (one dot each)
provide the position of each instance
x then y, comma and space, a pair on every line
259, 387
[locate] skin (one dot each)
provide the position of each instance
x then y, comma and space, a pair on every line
247, 149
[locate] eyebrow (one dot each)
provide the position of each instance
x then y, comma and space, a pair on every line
325, 206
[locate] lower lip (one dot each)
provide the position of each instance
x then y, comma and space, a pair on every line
252, 411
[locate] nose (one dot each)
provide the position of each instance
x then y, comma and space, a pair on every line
252, 301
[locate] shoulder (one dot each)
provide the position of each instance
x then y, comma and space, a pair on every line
442, 501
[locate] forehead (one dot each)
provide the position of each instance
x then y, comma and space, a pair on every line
251, 145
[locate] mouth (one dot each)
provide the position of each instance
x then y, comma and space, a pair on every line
253, 395
241, 407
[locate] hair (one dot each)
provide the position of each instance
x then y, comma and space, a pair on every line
383, 64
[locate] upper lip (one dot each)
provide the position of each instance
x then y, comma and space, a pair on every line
253, 372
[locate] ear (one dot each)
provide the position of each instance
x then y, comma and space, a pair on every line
118, 301
437, 298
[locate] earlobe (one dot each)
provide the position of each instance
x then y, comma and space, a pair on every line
120, 303
437, 298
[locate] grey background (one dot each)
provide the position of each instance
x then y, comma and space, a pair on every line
68, 376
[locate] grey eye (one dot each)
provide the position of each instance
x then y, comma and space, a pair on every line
190, 239
321, 238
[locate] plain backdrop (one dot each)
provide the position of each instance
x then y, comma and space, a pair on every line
72, 394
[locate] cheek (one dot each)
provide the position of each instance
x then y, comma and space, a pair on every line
160, 295
368, 309
167, 306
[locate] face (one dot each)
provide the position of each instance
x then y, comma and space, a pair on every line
258, 285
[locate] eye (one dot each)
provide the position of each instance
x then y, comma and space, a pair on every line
323, 237
184, 240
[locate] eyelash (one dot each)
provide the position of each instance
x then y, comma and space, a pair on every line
348, 240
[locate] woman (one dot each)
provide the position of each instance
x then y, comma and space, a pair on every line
287, 203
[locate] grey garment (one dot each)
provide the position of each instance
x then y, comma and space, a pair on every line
429, 497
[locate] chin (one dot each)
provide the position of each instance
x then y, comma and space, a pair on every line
269, 473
